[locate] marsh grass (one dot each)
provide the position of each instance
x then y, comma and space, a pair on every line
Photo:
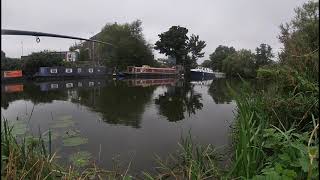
268, 142
191, 161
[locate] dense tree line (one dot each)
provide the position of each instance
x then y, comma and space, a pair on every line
242, 62
9, 63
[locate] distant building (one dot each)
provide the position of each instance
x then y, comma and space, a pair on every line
91, 48
71, 56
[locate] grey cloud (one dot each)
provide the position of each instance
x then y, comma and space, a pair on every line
238, 23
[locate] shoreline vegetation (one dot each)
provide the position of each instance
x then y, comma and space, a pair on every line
275, 133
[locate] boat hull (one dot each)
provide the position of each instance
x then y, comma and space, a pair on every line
201, 75
148, 74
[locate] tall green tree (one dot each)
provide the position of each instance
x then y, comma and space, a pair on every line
220, 53
264, 55
174, 42
240, 63
84, 54
300, 39
130, 46
195, 48
177, 44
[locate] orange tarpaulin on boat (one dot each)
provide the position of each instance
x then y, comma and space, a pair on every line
11, 74
13, 88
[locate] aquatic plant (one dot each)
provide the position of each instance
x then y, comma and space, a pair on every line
63, 122
74, 141
80, 159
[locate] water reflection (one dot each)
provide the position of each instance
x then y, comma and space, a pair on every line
117, 108
117, 102
177, 100
219, 92
33, 93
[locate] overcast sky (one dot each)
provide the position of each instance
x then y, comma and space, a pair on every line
238, 23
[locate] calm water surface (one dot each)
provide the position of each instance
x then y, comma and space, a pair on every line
130, 120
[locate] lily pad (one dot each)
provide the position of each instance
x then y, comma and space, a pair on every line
80, 159
19, 128
74, 141
66, 117
71, 133
54, 136
62, 124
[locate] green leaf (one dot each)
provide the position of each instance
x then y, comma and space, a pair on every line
74, 141
278, 168
289, 173
80, 159
304, 164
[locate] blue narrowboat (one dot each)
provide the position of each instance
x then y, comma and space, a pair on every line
60, 71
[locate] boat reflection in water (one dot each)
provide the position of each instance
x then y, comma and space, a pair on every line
12, 88
202, 83
69, 84
151, 82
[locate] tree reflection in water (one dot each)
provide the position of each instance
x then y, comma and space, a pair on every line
219, 91
177, 100
117, 102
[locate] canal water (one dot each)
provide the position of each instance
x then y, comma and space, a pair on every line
109, 121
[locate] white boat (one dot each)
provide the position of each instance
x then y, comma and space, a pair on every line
202, 73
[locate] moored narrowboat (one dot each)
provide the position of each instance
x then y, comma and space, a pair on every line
72, 71
202, 73
11, 75
150, 71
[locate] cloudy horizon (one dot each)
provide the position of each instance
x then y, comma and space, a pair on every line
241, 23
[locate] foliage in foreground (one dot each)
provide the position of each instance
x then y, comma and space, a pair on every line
264, 148
31, 158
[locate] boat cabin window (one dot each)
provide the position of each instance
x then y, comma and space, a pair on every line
90, 70
69, 85
53, 70
54, 86
68, 70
